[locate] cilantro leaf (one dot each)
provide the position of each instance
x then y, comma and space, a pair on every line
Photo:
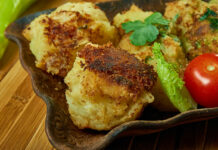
214, 23
132, 25
148, 58
211, 16
146, 31
156, 18
175, 18
145, 34
171, 82
208, 13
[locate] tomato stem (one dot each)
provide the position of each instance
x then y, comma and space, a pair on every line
210, 68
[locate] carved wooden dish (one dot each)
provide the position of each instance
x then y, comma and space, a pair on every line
60, 129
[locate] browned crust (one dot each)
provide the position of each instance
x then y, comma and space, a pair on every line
199, 34
65, 35
118, 66
65, 38
62, 60
197, 31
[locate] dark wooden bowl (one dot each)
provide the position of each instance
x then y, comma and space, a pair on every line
60, 129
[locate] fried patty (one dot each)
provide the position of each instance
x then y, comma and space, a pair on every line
197, 36
118, 66
107, 86
55, 38
171, 48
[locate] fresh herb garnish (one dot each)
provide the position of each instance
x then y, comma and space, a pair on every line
83, 27
198, 44
148, 58
207, 14
156, 18
214, 23
175, 38
175, 18
210, 15
146, 31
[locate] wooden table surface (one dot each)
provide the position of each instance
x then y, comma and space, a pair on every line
22, 113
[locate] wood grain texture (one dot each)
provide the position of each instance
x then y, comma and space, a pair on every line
9, 59
212, 135
11, 82
193, 136
39, 140
22, 113
14, 108
27, 125
169, 137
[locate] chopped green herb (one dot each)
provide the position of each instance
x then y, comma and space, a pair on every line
214, 23
206, 41
175, 18
210, 15
148, 58
83, 27
163, 33
146, 31
175, 38
198, 44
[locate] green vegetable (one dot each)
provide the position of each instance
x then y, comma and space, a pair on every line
175, 18
207, 14
156, 18
3, 44
172, 83
148, 58
214, 23
175, 38
211, 16
198, 44
146, 31
10, 10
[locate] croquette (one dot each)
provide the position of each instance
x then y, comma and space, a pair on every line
107, 86
197, 36
171, 48
55, 38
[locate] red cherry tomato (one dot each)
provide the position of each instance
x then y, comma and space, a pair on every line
201, 79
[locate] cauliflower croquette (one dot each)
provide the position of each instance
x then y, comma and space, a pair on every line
172, 51
55, 38
133, 14
197, 36
107, 87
